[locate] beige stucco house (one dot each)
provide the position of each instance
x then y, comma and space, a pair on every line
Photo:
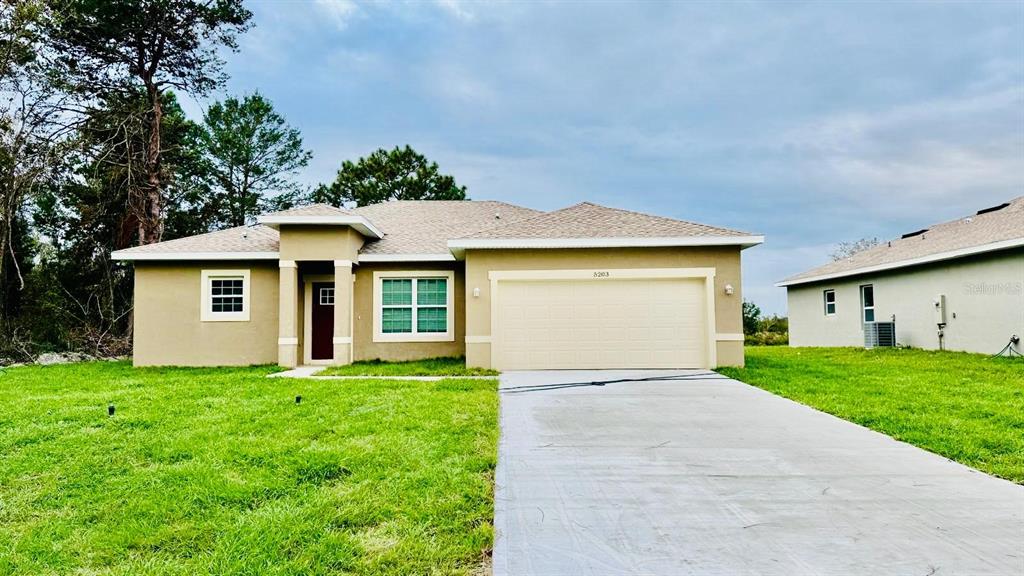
957, 285
506, 286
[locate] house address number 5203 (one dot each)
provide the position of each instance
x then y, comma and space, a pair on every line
602, 274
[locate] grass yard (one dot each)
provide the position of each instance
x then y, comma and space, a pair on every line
428, 367
966, 407
219, 471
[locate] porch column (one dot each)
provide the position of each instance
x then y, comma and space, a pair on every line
288, 322
343, 312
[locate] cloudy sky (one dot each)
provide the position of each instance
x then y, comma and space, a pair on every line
810, 123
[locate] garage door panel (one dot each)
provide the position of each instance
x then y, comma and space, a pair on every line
636, 323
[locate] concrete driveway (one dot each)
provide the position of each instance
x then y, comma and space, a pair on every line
707, 475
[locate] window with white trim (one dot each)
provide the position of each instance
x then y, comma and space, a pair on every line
225, 296
413, 306
867, 300
830, 302
327, 296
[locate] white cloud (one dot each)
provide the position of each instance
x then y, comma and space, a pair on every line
769, 263
458, 87
456, 8
918, 158
341, 12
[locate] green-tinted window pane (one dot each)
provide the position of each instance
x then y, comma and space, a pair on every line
869, 296
432, 291
432, 320
396, 292
396, 320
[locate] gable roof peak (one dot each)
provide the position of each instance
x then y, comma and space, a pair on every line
589, 220
321, 214
318, 209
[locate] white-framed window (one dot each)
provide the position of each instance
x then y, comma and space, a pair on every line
225, 295
326, 296
414, 306
867, 300
830, 302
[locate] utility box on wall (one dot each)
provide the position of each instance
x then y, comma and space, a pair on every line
940, 309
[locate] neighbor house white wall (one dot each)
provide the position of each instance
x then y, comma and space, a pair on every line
984, 305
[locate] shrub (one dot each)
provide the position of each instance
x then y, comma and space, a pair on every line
767, 339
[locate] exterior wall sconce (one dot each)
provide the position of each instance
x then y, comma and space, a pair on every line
729, 290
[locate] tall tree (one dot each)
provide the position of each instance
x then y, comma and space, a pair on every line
33, 128
83, 298
252, 153
398, 174
123, 46
34, 131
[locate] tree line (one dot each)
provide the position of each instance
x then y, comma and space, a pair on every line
761, 330
97, 154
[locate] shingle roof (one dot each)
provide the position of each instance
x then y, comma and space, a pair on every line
978, 231
587, 220
424, 226
242, 240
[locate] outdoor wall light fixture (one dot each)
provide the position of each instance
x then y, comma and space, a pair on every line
729, 290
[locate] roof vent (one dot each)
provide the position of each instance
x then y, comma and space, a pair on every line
497, 215
915, 233
993, 208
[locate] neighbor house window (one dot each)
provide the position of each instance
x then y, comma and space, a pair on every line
830, 302
225, 296
867, 299
413, 306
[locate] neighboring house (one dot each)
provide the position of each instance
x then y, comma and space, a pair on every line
957, 285
506, 286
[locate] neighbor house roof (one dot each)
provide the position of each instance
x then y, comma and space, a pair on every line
591, 225
437, 229
995, 228
241, 243
421, 229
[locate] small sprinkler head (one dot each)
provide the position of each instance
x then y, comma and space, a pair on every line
298, 399
110, 409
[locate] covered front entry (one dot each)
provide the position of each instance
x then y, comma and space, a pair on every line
609, 319
316, 305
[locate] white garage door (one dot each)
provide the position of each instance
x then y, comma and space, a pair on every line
634, 323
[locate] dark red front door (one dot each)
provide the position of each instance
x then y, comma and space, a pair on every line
323, 321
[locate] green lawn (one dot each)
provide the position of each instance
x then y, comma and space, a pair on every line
219, 471
967, 407
428, 367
